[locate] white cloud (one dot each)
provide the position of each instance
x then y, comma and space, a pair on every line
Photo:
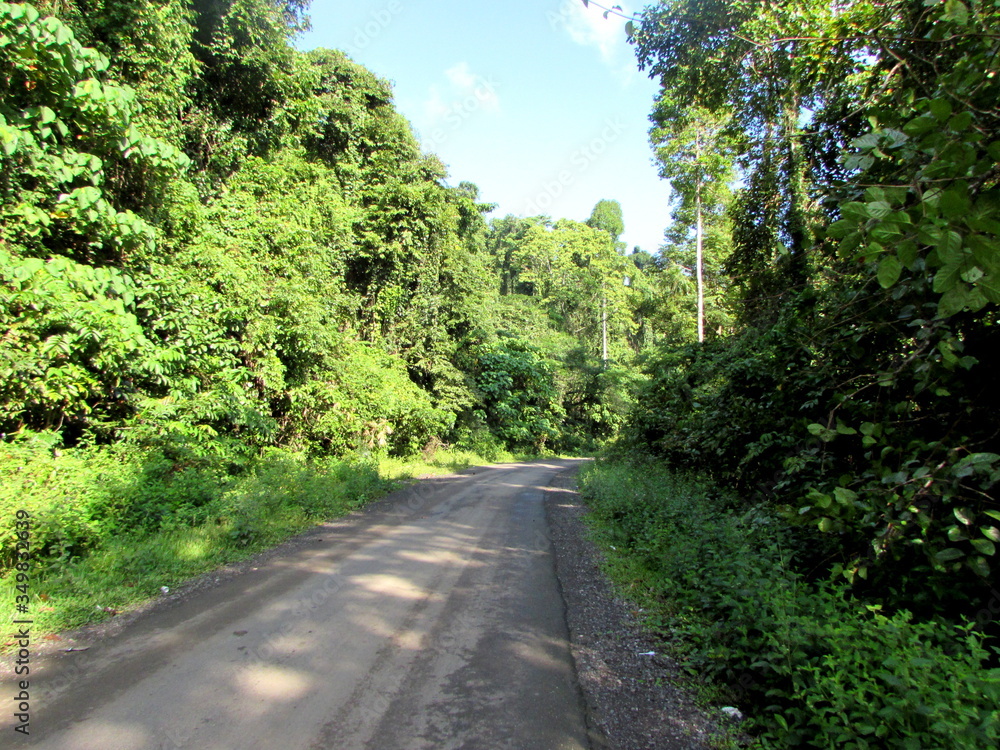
451, 104
461, 76
465, 93
588, 27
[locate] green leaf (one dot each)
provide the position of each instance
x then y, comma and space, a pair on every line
9, 138
818, 499
979, 566
826, 525
953, 301
919, 125
889, 269
972, 274
824, 434
954, 203
63, 34
948, 554
843, 429
989, 285
840, 228
854, 210
845, 496
949, 247
984, 547
866, 142
957, 11
964, 515
981, 458
941, 109
878, 209
956, 534
907, 253
961, 121
990, 532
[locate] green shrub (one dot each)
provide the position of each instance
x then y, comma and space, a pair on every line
861, 679
70, 497
112, 524
821, 668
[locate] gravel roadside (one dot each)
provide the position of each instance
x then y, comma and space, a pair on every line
633, 701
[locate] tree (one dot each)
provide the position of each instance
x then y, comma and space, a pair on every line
67, 311
696, 154
607, 215
519, 397
865, 241
790, 76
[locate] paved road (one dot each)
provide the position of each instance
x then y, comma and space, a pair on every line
432, 620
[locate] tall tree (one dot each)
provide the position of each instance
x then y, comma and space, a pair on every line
607, 215
696, 153
865, 240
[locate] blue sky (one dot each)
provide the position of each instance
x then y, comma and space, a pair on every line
539, 102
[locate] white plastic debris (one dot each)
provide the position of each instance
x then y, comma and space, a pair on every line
648, 653
733, 713
164, 589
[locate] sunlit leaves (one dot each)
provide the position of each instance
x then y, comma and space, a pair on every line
60, 125
938, 146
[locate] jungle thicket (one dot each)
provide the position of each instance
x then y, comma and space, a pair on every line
835, 166
229, 273
215, 248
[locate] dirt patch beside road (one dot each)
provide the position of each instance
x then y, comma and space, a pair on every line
633, 701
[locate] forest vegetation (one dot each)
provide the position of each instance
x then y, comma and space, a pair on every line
238, 297
233, 286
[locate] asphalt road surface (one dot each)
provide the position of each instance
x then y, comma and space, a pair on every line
433, 619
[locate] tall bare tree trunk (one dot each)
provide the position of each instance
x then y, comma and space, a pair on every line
699, 272
699, 233
604, 329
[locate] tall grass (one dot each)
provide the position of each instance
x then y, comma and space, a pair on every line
111, 525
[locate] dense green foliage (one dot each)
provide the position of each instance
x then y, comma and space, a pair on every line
850, 409
720, 585
854, 397
222, 258
230, 276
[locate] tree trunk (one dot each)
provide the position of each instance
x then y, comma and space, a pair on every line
699, 270
604, 330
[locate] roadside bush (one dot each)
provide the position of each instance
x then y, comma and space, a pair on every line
111, 525
860, 679
70, 497
516, 385
819, 667
81, 499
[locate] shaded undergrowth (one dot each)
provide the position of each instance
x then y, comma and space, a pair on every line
811, 664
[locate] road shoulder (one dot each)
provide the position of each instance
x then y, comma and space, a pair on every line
632, 699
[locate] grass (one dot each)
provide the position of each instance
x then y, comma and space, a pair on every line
89, 565
445, 461
810, 663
